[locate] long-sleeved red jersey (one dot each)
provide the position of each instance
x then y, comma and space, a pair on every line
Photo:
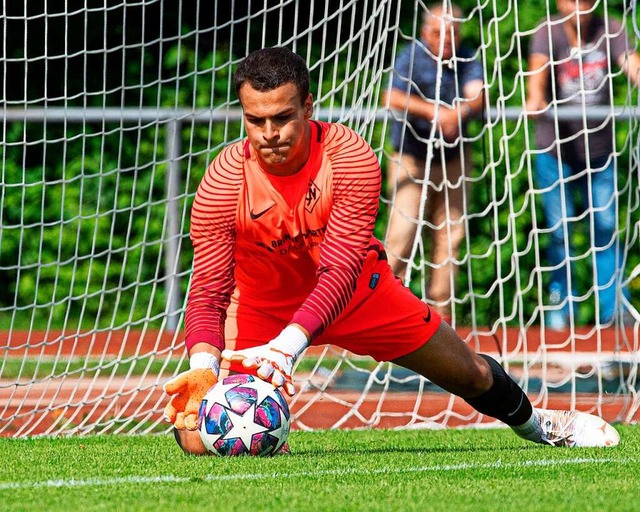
288, 242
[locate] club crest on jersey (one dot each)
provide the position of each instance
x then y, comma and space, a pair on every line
312, 197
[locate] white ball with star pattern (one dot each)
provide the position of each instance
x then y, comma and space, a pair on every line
243, 415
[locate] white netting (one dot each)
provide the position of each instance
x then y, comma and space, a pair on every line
112, 113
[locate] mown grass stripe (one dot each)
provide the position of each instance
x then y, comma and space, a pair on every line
94, 482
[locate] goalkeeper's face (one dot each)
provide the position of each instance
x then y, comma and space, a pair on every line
277, 126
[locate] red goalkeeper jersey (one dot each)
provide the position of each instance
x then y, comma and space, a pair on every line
295, 242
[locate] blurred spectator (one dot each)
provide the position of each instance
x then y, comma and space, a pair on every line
570, 62
437, 84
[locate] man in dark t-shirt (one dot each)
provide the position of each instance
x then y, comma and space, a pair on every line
571, 57
437, 85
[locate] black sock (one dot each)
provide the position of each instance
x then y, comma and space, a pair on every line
505, 400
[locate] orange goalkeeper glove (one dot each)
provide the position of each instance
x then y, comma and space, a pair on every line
188, 390
274, 361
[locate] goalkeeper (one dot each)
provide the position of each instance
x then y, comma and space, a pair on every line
284, 257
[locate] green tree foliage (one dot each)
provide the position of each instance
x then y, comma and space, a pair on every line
83, 205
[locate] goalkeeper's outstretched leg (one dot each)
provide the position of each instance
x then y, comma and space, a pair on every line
477, 378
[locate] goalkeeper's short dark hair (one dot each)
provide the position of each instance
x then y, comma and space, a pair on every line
270, 68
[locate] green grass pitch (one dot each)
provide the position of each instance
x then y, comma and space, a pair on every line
376, 470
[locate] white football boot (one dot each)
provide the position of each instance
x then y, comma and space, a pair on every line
576, 429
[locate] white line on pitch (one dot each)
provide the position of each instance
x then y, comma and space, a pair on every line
91, 482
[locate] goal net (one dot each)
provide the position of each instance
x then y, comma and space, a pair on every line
111, 113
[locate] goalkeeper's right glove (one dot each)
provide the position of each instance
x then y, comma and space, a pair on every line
274, 361
188, 390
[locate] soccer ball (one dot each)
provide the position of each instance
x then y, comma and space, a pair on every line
243, 415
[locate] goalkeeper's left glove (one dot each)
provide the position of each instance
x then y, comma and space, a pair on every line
188, 390
274, 361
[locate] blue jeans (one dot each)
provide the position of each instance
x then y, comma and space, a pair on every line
598, 192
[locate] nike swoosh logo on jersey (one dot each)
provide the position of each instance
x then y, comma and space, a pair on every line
427, 318
255, 216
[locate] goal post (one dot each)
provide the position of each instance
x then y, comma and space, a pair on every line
111, 114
